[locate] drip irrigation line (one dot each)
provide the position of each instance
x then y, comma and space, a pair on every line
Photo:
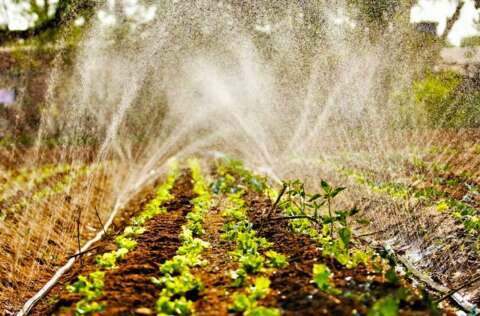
461, 287
60, 272
78, 254
459, 299
373, 233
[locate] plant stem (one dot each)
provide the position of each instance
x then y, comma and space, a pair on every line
331, 217
282, 192
78, 233
100, 221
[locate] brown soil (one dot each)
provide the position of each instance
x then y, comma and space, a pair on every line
43, 237
128, 289
214, 298
293, 290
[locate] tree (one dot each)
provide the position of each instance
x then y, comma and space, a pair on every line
456, 15
64, 12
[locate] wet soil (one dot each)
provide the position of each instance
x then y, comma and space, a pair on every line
214, 298
128, 289
293, 290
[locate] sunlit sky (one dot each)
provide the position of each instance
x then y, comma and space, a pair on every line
440, 10
425, 10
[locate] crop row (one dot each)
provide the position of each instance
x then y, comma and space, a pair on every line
69, 177
314, 215
254, 258
429, 196
90, 287
177, 280
29, 176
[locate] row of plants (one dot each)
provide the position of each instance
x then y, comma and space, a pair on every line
60, 186
468, 215
29, 176
90, 287
177, 281
254, 256
314, 215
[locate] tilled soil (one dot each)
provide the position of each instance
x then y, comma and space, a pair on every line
43, 238
128, 289
214, 299
292, 286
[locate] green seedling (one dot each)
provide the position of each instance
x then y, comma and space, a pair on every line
252, 263
276, 260
247, 303
90, 288
124, 242
388, 306
322, 277
109, 260
181, 306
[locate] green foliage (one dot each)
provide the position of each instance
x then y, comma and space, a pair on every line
387, 306
133, 231
260, 289
375, 13
322, 277
232, 175
177, 280
109, 260
195, 223
247, 303
199, 186
241, 303
252, 263
262, 311
331, 230
391, 276
440, 103
124, 242
86, 308
192, 247
249, 246
166, 306
178, 285
178, 264
276, 260
239, 277
90, 288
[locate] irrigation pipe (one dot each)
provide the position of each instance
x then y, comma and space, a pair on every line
447, 292
60, 272
459, 299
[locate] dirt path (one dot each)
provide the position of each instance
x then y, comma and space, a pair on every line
129, 288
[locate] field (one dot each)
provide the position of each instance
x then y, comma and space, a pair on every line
213, 237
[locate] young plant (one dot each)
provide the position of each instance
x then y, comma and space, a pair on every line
90, 288
322, 277
180, 306
247, 303
177, 281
